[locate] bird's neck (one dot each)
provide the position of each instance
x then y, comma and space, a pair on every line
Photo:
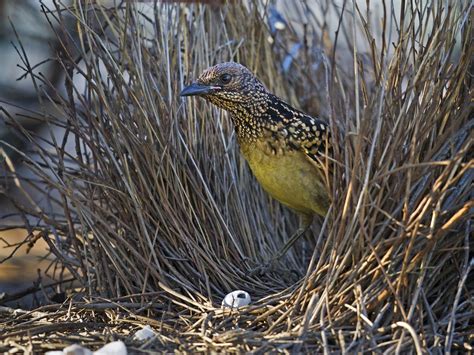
259, 114
249, 122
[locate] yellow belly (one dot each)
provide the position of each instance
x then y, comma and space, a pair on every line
288, 177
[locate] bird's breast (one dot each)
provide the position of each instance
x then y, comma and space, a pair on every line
287, 175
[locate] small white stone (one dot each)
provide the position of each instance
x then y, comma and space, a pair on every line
236, 299
114, 348
76, 349
279, 25
145, 333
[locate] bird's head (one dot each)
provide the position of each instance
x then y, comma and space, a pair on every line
227, 85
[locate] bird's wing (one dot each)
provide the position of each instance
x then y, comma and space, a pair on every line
309, 135
297, 130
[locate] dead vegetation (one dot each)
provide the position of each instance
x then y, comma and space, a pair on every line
148, 205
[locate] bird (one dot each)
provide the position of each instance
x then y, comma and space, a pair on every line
283, 146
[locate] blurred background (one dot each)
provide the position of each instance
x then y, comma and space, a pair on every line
25, 21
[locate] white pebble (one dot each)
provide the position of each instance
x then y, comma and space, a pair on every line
145, 333
74, 349
279, 25
236, 299
113, 348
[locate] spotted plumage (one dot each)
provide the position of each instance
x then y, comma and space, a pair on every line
282, 145
257, 113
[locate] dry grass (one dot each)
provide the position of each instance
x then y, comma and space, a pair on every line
157, 216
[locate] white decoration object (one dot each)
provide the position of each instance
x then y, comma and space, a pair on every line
113, 348
236, 299
74, 349
280, 25
145, 333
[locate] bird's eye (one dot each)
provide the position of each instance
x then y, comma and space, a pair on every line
225, 78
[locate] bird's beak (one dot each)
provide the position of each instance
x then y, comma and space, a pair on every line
198, 89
